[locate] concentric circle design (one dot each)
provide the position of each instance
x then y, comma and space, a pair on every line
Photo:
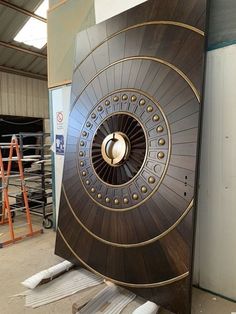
129, 175
128, 123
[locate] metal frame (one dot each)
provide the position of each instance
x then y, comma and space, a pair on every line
22, 72
25, 50
31, 52
23, 11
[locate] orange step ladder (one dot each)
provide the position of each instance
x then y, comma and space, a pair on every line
6, 212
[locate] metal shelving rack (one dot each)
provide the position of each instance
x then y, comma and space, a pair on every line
38, 177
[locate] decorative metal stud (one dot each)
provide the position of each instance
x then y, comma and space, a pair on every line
160, 129
84, 133
151, 180
100, 108
149, 109
82, 143
142, 102
93, 115
87, 182
93, 190
124, 97
99, 195
155, 118
84, 173
82, 163
133, 98
143, 189
107, 102
125, 200
81, 154
107, 200
135, 196
116, 201
88, 124
160, 155
116, 98
161, 141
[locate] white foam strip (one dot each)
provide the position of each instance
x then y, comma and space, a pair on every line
68, 284
147, 308
111, 300
51, 272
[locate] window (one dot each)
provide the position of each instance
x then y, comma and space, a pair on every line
34, 32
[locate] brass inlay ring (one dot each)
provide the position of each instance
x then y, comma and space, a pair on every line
145, 134
170, 23
128, 245
167, 159
158, 60
123, 283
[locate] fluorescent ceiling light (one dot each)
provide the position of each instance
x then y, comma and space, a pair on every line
34, 32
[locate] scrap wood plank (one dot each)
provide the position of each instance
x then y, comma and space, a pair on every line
85, 296
111, 300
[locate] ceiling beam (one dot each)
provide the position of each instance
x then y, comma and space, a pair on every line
34, 53
21, 10
23, 73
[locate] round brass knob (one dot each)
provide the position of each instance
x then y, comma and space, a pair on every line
115, 148
155, 118
133, 98
125, 200
142, 102
151, 180
144, 189
116, 201
161, 141
160, 155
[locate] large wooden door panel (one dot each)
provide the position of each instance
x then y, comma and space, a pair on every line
128, 190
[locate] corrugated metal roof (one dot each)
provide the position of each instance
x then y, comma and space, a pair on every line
11, 21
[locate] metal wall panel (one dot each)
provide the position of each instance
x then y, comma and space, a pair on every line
64, 22
23, 96
222, 23
215, 251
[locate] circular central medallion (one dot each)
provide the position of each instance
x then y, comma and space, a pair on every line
115, 148
117, 143
124, 150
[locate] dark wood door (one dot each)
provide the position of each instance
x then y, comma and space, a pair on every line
128, 191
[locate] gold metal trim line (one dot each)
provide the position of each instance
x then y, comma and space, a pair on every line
129, 245
173, 67
122, 283
170, 23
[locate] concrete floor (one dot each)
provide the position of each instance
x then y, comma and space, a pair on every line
25, 258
